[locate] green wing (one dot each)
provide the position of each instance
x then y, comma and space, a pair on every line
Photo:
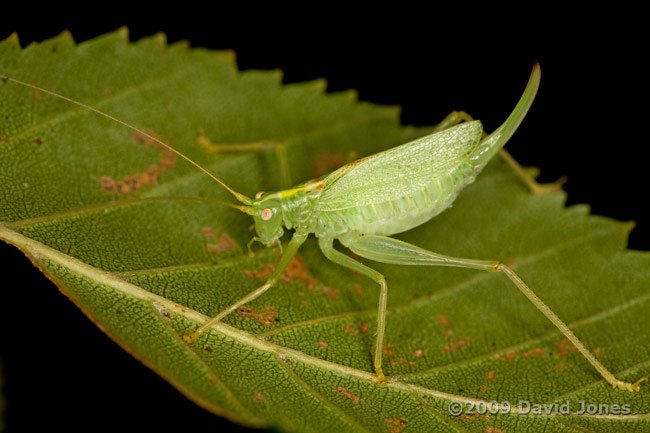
401, 170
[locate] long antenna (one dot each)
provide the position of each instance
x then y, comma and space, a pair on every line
241, 197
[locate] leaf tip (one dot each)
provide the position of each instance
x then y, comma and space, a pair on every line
161, 39
123, 32
12, 39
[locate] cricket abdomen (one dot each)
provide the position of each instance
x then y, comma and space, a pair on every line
399, 213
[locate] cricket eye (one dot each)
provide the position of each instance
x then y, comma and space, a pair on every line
266, 214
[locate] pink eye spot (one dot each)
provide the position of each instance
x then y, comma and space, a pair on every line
266, 214
259, 194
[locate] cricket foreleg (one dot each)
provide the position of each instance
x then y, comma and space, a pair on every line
348, 262
291, 250
388, 250
279, 148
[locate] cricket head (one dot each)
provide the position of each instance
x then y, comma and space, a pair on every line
267, 213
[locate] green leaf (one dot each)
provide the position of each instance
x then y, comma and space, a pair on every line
147, 271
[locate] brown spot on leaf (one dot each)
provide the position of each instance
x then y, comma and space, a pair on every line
224, 244
213, 380
208, 349
323, 345
443, 321
106, 91
330, 292
267, 318
396, 425
208, 232
484, 388
511, 355
38, 141
490, 429
364, 327
350, 329
264, 272
457, 344
326, 163
36, 94
597, 352
418, 353
296, 270
257, 396
560, 366
489, 376
564, 347
471, 418
5, 138
344, 392
448, 333
536, 352
388, 350
357, 289
148, 176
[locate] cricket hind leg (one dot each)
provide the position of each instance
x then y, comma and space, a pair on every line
296, 241
528, 179
388, 250
341, 259
279, 148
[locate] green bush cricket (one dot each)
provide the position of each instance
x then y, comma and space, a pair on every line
362, 203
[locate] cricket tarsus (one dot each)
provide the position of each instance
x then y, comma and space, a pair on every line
344, 206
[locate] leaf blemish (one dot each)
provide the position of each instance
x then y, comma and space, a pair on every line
344, 392
564, 347
443, 321
327, 162
350, 329
296, 270
257, 396
36, 95
457, 344
418, 353
489, 429
471, 418
267, 318
388, 350
148, 176
396, 425
489, 376
225, 243
323, 345
364, 327
208, 232
330, 292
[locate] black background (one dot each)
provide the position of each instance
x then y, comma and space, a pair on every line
588, 123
